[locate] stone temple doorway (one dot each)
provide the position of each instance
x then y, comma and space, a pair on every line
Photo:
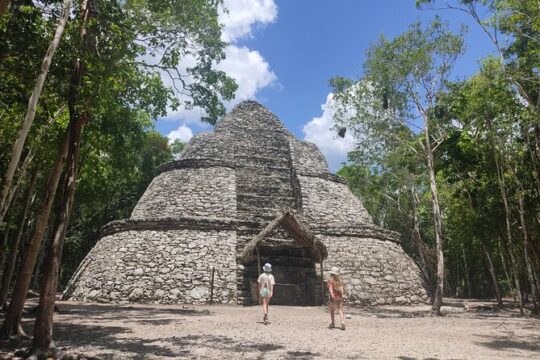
294, 253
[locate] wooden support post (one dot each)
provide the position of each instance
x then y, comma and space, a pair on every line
322, 281
258, 261
212, 287
258, 272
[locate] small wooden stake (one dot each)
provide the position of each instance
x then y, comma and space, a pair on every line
212, 287
258, 261
322, 282
258, 272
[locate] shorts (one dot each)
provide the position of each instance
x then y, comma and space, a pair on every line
336, 302
265, 293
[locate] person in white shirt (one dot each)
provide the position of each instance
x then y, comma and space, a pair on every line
266, 288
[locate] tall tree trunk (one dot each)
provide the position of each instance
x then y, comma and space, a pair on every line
525, 233
32, 106
491, 269
535, 251
43, 341
437, 220
43, 330
4, 4
508, 276
466, 268
537, 134
11, 325
425, 263
3, 254
535, 161
536, 281
10, 268
12, 193
21, 173
509, 239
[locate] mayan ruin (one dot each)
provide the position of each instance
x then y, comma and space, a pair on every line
246, 193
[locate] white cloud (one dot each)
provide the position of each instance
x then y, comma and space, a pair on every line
187, 116
247, 67
319, 131
250, 71
243, 15
183, 133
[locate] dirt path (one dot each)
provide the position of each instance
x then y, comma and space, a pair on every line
235, 332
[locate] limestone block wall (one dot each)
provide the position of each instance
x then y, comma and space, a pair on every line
207, 145
250, 116
209, 191
307, 158
167, 267
329, 202
375, 272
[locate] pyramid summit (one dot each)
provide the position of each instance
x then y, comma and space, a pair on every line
244, 194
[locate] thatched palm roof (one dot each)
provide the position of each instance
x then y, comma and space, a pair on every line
296, 229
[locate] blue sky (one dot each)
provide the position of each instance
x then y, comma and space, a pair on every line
283, 54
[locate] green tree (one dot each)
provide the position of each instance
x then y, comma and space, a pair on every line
5, 198
120, 51
406, 75
488, 111
518, 50
176, 147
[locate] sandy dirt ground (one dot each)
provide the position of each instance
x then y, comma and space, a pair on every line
236, 332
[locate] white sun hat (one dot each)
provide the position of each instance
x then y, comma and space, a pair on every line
334, 270
267, 267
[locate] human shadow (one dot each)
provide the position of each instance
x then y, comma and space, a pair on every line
130, 313
103, 310
509, 342
386, 312
115, 341
300, 355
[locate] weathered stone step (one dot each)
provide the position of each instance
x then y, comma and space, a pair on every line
259, 187
251, 201
265, 138
262, 161
273, 145
261, 192
263, 175
262, 215
258, 152
267, 170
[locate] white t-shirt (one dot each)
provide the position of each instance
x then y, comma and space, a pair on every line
266, 280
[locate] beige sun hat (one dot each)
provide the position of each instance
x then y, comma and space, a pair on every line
334, 270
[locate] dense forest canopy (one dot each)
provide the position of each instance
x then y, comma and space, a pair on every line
80, 86
454, 166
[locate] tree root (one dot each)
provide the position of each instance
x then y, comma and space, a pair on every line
16, 333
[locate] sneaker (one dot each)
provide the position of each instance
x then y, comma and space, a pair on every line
265, 319
342, 326
331, 326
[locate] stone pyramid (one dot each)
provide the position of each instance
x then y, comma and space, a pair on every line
247, 187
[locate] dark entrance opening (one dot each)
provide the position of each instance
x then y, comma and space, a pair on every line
293, 251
